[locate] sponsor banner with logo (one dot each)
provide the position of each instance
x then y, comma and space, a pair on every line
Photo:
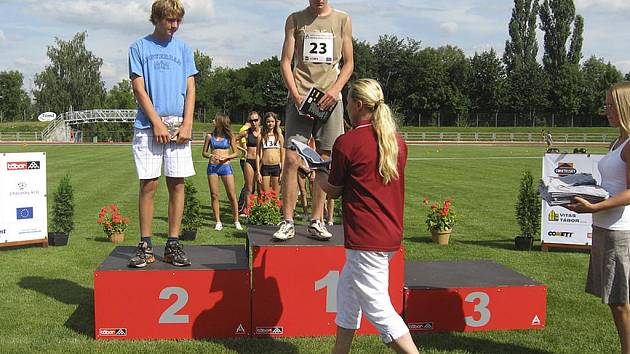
561, 225
23, 211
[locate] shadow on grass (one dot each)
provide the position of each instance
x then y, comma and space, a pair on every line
502, 243
69, 293
454, 342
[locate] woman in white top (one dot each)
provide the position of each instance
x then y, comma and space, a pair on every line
609, 265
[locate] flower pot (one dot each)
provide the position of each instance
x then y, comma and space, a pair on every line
57, 238
523, 243
116, 237
440, 237
189, 235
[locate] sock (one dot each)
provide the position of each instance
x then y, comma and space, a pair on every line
172, 239
290, 221
314, 221
147, 239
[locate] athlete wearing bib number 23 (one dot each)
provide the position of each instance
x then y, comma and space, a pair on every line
316, 41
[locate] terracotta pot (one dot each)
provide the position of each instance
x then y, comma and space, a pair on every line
116, 237
440, 237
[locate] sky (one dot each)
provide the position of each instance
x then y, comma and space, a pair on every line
235, 32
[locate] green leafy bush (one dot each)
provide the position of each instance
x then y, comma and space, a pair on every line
63, 207
191, 219
528, 206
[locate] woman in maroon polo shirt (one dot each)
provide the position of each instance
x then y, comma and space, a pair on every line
368, 168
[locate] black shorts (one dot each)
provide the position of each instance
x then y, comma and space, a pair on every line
252, 162
270, 170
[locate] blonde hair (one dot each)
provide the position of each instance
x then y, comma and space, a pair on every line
370, 93
162, 9
620, 93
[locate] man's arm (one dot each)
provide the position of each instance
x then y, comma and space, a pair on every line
184, 133
347, 52
288, 49
160, 132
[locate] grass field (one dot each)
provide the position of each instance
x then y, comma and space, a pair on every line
47, 303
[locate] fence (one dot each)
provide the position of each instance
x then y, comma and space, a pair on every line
426, 137
499, 119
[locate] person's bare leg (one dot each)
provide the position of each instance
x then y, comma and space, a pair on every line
266, 183
404, 345
289, 183
175, 205
146, 196
330, 210
275, 184
213, 183
228, 183
621, 317
303, 196
343, 340
319, 196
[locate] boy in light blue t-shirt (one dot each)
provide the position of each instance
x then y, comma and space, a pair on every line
162, 69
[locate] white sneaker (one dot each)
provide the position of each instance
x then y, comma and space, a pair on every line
285, 232
318, 231
238, 226
218, 226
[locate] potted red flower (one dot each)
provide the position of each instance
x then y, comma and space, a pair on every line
440, 220
113, 222
264, 209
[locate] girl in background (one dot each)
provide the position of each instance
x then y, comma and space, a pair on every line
220, 148
270, 154
250, 135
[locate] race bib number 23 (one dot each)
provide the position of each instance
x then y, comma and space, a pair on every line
318, 47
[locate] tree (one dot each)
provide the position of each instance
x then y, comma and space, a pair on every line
203, 80
72, 79
521, 49
598, 76
556, 18
364, 60
562, 64
121, 96
14, 101
487, 82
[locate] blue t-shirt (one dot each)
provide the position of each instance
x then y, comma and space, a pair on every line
164, 67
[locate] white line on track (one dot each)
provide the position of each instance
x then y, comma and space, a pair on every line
474, 158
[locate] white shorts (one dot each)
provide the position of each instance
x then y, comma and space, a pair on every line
148, 156
363, 288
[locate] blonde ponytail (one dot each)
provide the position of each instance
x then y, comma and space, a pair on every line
620, 93
370, 93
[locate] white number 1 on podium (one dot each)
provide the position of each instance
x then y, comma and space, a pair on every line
329, 282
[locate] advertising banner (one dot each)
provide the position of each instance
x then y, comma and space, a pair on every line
23, 210
560, 225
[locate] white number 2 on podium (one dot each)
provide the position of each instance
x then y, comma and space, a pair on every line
170, 314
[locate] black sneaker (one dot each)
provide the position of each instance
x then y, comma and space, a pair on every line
174, 253
144, 256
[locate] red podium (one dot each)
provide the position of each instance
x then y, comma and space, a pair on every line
471, 296
210, 299
294, 287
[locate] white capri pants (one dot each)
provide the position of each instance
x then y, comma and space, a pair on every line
363, 288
